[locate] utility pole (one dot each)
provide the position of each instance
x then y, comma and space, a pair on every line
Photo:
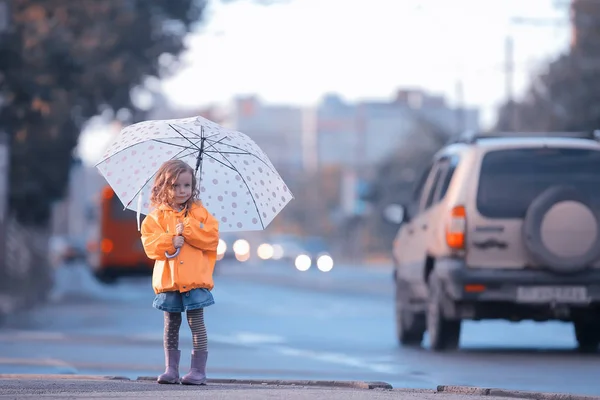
4, 186
460, 107
509, 66
5, 26
361, 161
310, 140
311, 180
509, 71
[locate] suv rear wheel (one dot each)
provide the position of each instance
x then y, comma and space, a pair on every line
410, 326
444, 333
587, 334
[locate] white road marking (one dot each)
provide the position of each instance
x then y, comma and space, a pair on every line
268, 342
65, 367
276, 344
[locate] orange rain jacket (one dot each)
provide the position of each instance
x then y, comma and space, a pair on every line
193, 267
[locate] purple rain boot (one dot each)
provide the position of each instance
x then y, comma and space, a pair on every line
171, 374
197, 374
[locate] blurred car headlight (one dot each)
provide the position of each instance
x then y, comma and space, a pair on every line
221, 247
242, 257
264, 251
241, 247
302, 262
325, 263
277, 252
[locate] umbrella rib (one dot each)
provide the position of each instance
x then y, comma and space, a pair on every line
215, 142
187, 130
192, 143
195, 134
220, 141
216, 151
221, 162
246, 152
172, 144
249, 191
152, 176
137, 144
118, 152
227, 152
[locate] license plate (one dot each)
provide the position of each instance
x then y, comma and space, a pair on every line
552, 294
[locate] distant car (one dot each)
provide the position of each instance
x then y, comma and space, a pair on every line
303, 253
318, 250
506, 227
237, 246
224, 249
66, 250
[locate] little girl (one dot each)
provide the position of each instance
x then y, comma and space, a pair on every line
182, 236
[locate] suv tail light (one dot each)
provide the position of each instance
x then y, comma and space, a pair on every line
457, 226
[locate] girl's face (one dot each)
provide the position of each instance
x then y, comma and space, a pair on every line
182, 189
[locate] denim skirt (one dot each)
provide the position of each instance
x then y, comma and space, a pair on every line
179, 302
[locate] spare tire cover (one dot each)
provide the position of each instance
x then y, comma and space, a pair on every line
561, 230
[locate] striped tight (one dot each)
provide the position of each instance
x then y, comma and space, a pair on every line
195, 320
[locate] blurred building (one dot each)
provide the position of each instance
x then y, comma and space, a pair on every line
72, 216
585, 15
277, 129
363, 134
341, 133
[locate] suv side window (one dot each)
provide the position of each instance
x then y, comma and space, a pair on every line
443, 173
445, 182
413, 207
428, 196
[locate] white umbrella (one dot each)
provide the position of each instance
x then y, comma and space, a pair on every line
238, 183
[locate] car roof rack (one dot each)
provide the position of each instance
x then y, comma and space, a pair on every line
472, 137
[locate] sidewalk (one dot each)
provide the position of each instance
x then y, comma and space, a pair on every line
98, 387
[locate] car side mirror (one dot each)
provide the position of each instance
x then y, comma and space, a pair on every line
395, 214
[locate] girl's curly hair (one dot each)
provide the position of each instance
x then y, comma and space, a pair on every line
163, 191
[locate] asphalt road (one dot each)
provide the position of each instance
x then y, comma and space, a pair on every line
116, 390
273, 322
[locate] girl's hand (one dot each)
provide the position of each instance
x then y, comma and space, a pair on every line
179, 229
178, 241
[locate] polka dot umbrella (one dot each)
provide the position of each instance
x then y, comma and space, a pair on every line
238, 183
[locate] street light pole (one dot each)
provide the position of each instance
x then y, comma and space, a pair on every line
4, 174
509, 70
4, 16
4, 154
509, 50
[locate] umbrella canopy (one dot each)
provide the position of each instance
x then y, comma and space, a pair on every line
238, 183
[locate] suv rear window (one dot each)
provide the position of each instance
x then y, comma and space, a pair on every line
510, 179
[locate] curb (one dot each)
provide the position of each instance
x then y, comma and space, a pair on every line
48, 377
338, 384
8, 304
287, 382
518, 394
216, 381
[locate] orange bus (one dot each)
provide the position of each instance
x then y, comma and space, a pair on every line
115, 249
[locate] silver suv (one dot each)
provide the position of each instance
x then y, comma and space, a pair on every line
501, 227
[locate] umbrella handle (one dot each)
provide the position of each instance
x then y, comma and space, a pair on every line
174, 254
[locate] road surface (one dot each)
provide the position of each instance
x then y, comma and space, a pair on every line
274, 322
